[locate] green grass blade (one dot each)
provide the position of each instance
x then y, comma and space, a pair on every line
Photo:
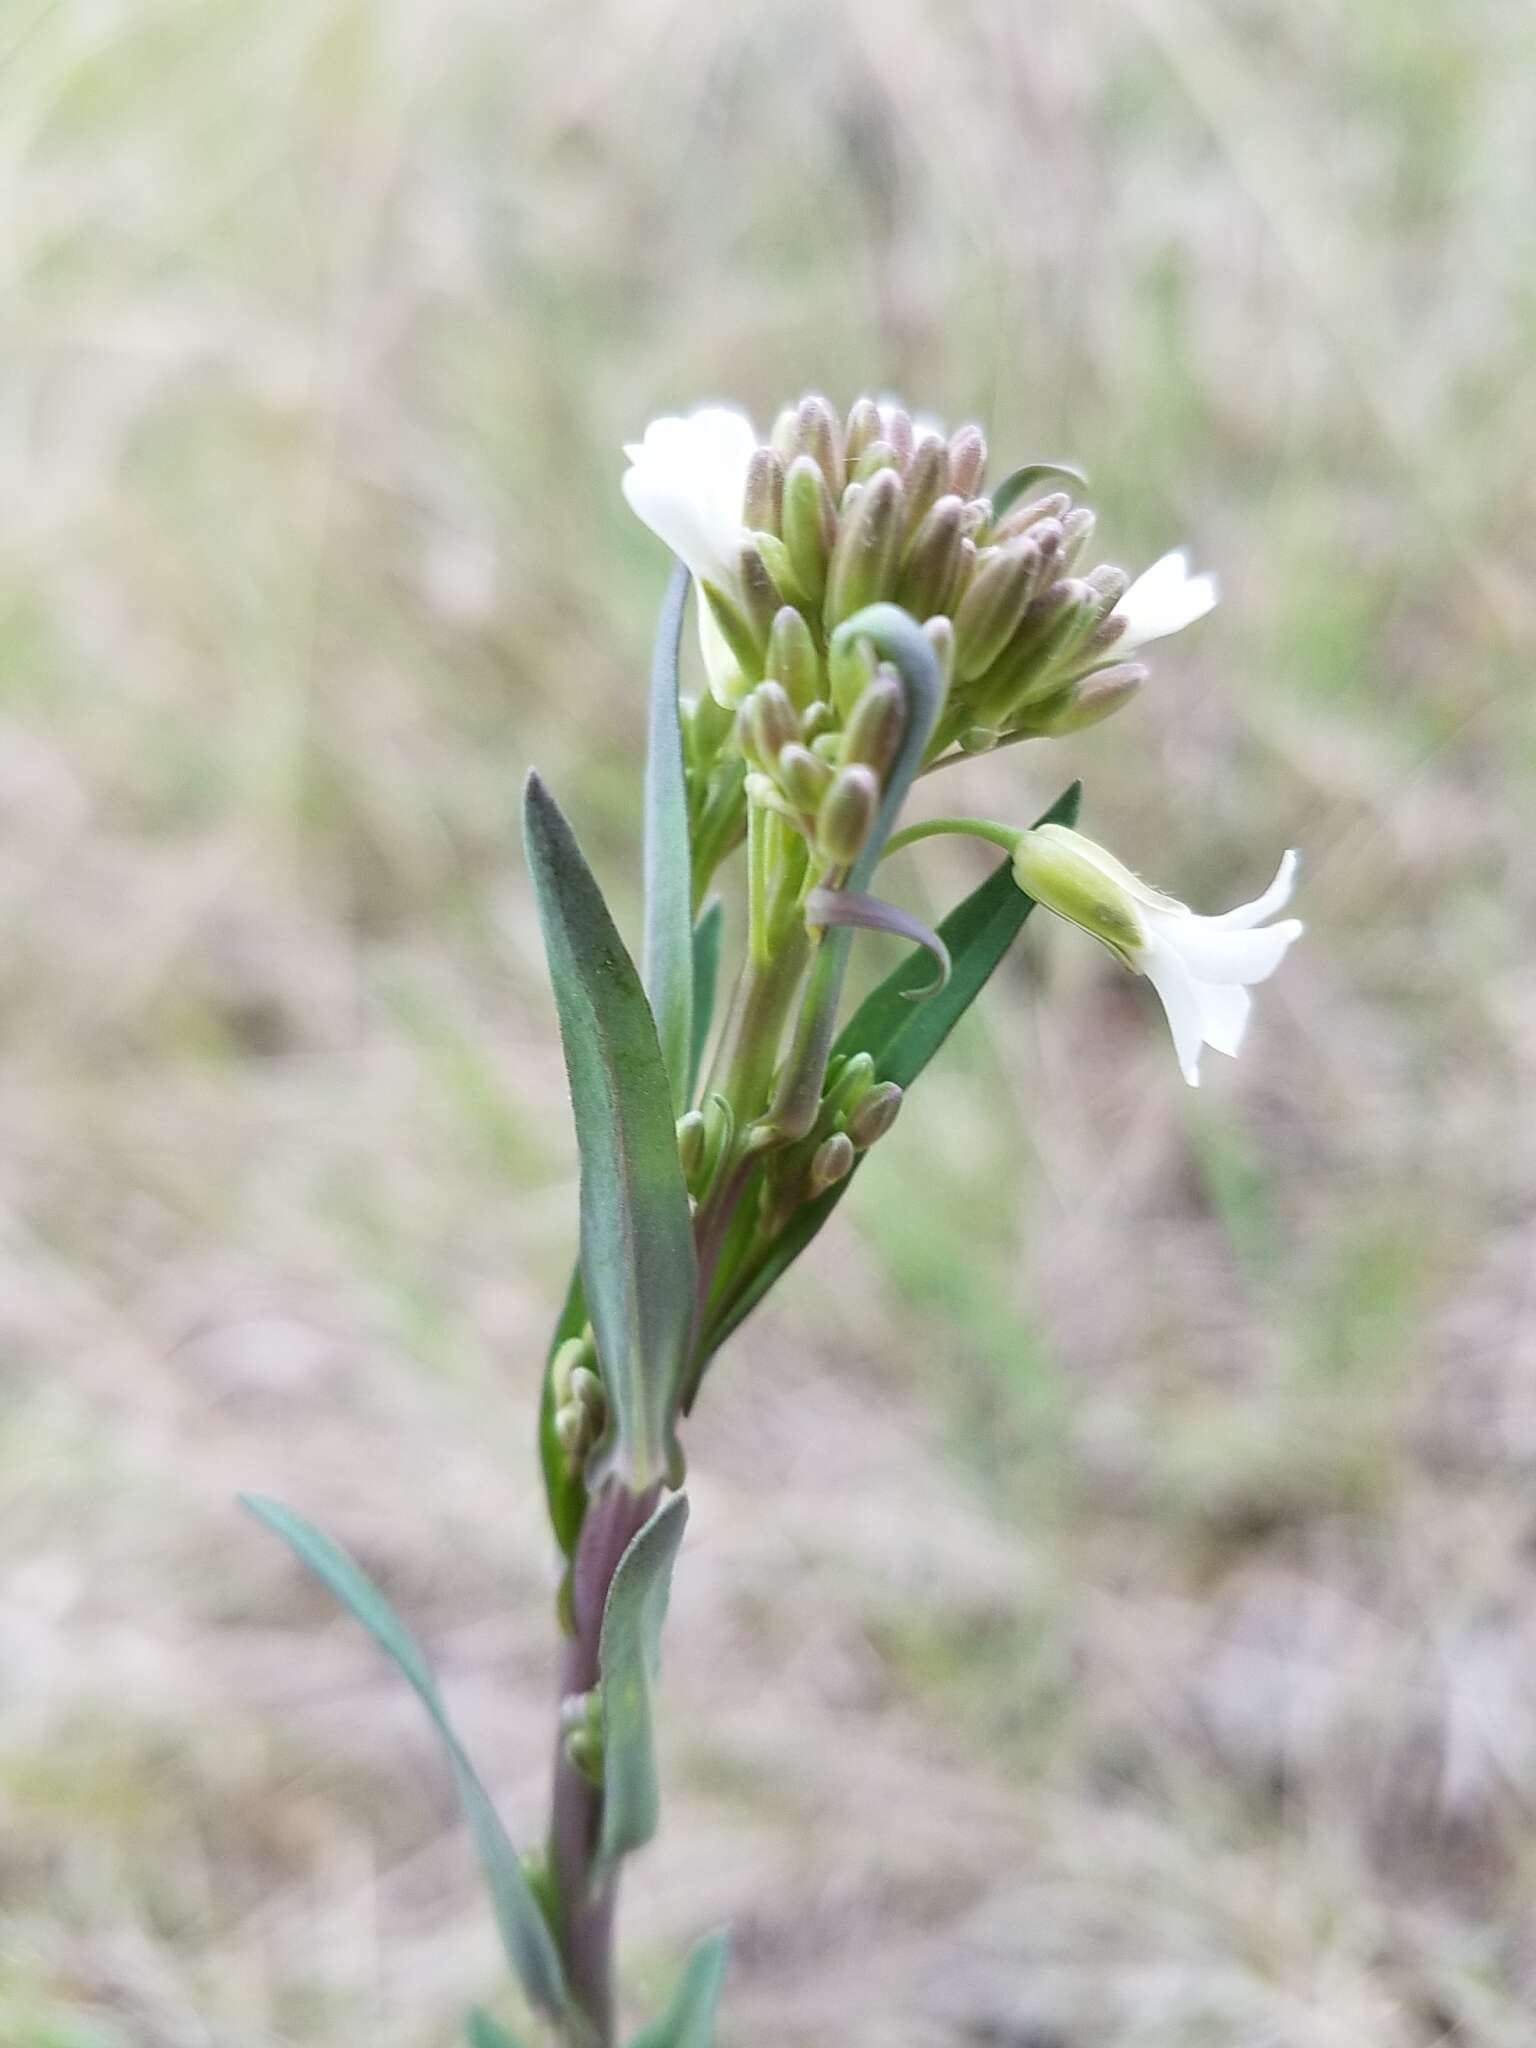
525, 1934
689, 2020
902, 1036
628, 1652
637, 1257
667, 953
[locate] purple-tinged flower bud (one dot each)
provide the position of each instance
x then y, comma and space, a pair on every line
820, 435
896, 427
1096, 697
863, 426
760, 600
785, 438
763, 500
866, 560
877, 456
1054, 505
967, 460
932, 559
771, 722
873, 1117
809, 525
832, 1161
1076, 532
804, 777
847, 814
990, 612
926, 478
876, 724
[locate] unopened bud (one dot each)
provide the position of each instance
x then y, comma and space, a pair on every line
877, 456
990, 612
809, 525
573, 1431
850, 670
803, 776
848, 1086
778, 564
821, 436
932, 559
573, 1353
1076, 532
1096, 697
939, 632
965, 571
736, 632
771, 721
763, 499
1055, 505
831, 1162
847, 813
815, 720
876, 724
691, 1139
587, 1395
1110, 583
863, 426
896, 426
792, 659
967, 460
719, 1130
759, 598
1059, 869
873, 1117
785, 438
866, 558
926, 478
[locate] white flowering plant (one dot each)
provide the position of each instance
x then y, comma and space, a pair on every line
869, 614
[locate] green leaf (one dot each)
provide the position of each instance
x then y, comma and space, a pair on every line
668, 949
706, 977
902, 1036
525, 1934
629, 1649
1013, 486
689, 2020
484, 2032
564, 1490
638, 1271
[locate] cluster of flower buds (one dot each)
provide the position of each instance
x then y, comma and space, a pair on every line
580, 1406
581, 1731
856, 1112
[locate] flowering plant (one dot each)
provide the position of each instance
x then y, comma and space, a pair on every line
869, 613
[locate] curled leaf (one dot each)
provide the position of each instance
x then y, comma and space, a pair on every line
1014, 485
871, 914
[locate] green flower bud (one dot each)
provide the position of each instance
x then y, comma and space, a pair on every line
832, 1162
821, 436
847, 813
691, 1139
927, 477
763, 499
967, 460
809, 525
785, 438
863, 426
1097, 696
1048, 866
1076, 532
737, 632
803, 776
575, 1352
965, 571
991, 610
1055, 505
867, 555
896, 426
778, 564
792, 658
759, 599
850, 670
877, 456
876, 724
587, 1395
815, 720
573, 1431
848, 1087
940, 635
932, 559
874, 1115
771, 721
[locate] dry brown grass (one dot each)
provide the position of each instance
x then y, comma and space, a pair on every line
1108, 1619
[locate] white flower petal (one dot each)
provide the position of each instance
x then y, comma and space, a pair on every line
1227, 956
686, 480
1224, 1009
1181, 1002
1275, 897
1164, 599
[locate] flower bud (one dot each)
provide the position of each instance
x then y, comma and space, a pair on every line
850, 670
865, 560
816, 720
1076, 532
1099, 695
848, 1085
779, 566
736, 633
926, 478
932, 559
1048, 866
573, 1353
820, 436
763, 499
876, 724
587, 1395
691, 1139
573, 1431
1055, 505
785, 438
965, 571
873, 1117
771, 721
939, 632
719, 1130
896, 427
1111, 585
967, 460
831, 1162
809, 525
792, 661
759, 599
803, 776
990, 611
863, 426
877, 456
847, 813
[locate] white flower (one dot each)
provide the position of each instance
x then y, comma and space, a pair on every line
686, 480
1201, 967
1164, 599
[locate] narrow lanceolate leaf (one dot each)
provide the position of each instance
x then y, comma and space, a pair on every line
637, 1259
902, 1036
706, 978
484, 2032
689, 2020
668, 950
525, 1935
1013, 486
628, 1651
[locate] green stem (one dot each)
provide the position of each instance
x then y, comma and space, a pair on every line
1005, 836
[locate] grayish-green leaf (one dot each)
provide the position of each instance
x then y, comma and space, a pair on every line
525, 1934
706, 978
689, 2020
1014, 485
637, 1257
484, 2032
628, 1652
667, 954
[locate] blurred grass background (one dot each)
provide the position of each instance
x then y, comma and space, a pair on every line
1109, 1613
